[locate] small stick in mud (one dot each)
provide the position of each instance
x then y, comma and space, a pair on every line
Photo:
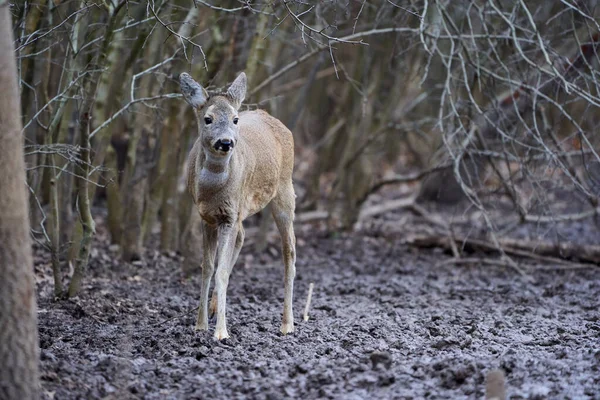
183, 314
308, 299
495, 387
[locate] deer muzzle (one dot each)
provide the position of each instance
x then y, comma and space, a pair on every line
224, 145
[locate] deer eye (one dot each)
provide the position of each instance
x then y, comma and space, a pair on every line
207, 120
235, 120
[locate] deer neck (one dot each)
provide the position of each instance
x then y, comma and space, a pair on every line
215, 171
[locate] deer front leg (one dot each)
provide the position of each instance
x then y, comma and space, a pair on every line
239, 242
209, 244
227, 238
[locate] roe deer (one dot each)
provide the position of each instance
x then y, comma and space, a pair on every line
237, 166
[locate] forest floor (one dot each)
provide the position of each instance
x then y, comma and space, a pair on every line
388, 321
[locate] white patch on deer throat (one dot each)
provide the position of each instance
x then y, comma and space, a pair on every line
208, 178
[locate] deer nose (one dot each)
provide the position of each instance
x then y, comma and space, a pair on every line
224, 145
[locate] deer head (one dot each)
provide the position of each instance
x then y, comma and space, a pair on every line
217, 116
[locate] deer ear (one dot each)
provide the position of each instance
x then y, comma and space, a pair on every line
237, 91
192, 91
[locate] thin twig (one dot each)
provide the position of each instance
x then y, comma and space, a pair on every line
175, 317
308, 300
322, 47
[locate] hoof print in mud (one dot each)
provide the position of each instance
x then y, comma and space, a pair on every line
381, 358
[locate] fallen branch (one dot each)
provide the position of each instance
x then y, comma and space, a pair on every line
382, 208
564, 250
311, 216
474, 260
319, 215
434, 220
540, 250
563, 217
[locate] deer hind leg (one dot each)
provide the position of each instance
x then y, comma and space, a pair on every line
283, 213
209, 244
227, 241
212, 309
239, 242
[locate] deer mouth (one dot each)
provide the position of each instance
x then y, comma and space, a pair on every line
224, 145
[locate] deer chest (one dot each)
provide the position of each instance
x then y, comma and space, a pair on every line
216, 215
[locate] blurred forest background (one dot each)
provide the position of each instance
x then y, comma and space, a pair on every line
491, 105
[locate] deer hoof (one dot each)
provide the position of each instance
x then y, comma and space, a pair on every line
287, 328
201, 326
221, 334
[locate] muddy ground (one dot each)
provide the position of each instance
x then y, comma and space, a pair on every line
388, 321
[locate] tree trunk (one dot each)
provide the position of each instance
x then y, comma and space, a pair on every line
88, 228
191, 243
169, 232
82, 235
113, 199
259, 46
19, 377
134, 184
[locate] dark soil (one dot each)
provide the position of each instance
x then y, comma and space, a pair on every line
387, 322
